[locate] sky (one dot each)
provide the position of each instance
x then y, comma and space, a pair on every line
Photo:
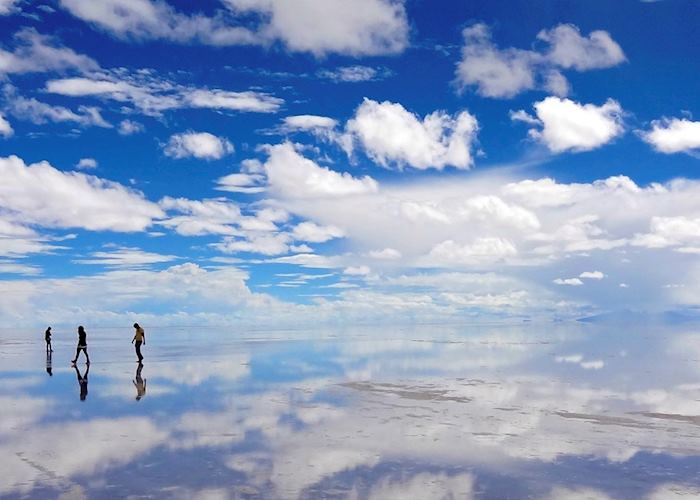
284, 163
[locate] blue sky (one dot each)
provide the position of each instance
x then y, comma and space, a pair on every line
275, 162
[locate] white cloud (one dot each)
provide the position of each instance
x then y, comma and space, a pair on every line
592, 275
129, 127
39, 112
40, 194
125, 257
504, 73
261, 243
197, 145
670, 231
35, 53
568, 49
357, 270
568, 281
570, 126
241, 183
385, 254
6, 129
7, 7
495, 72
391, 134
308, 122
153, 95
290, 175
363, 27
367, 27
313, 233
196, 218
673, 135
480, 250
353, 74
86, 164
256, 102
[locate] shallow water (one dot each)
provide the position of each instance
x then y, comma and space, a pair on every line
548, 411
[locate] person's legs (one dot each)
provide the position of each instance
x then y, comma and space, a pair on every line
77, 353
86, 355
138, 350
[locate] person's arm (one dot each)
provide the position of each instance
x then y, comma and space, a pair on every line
132, 340
143, 334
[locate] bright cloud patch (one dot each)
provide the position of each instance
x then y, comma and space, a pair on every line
290, 175
569, 126
40, 194
390, 134
364, 27
5, 127
673, 136
36, 53
86, 164
201, 145
313, 233
152, 95
308, 122
568, 281
504, 73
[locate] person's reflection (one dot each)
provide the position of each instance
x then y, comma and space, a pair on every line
83, 381
49, 368
139, 383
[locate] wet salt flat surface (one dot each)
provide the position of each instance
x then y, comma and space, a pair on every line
548, 411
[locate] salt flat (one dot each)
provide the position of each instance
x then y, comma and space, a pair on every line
536, 411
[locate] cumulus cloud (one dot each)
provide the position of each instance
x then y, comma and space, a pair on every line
201, 145
36, 53
504, 73
6, 129
42, 195
680, 231
567, 125
479, 251
320, 27
390, 134
569, 49
313, 233
290, 175
7, 7
129, 127
673, 135
86, 164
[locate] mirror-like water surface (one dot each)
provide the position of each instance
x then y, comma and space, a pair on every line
548, 411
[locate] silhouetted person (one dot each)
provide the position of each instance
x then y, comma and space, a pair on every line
139, 383
82, 345
83, 381
139, 338
47, 338
49, 368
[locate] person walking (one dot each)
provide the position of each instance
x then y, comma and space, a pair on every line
82, 345
47, 338
139, 338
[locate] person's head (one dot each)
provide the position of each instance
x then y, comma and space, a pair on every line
136, 325
81, 329
48, 329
